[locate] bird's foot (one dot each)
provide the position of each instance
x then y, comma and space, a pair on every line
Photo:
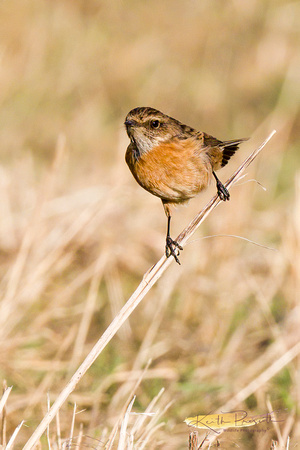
222, 191
172, 248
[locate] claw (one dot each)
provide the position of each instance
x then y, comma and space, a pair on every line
222, 191
172, 248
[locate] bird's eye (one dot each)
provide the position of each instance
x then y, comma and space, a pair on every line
155, 124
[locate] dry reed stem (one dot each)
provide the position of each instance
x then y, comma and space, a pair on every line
72, 426
58, 433
48, 428
149, 279
4, 398
275, 424
89, 309
123, 431
123, 411
13, 437
79, 437
6, 392
139, 424
193, 440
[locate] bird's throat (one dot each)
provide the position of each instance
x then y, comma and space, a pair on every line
135, 151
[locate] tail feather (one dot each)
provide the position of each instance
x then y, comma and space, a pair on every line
230, 147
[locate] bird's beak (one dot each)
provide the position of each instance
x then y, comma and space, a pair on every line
129, 127
129, 123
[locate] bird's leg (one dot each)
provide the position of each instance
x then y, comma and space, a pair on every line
221, 189
172, 247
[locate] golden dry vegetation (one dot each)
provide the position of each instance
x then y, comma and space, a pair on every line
77, 233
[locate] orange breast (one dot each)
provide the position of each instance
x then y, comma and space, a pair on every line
174, 171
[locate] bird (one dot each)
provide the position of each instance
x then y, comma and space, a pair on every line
173, 161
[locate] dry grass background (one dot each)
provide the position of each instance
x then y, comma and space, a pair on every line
77, 233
